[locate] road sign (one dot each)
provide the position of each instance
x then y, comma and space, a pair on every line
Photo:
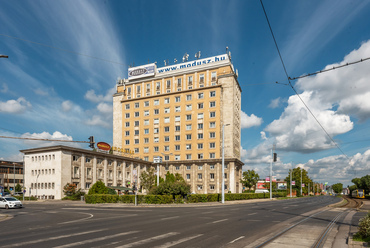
293, 182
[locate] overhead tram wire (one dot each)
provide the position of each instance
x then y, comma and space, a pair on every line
290, 84
64, 50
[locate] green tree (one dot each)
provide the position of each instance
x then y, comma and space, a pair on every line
69, 189
338, 188
250, 179
267, 186
173, 185
357, 182
148, 179
98, 188
296, 176
365, 183
18, 188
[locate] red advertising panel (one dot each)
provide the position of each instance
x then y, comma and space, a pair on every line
103, 146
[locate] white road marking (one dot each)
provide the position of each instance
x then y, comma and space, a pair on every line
173, 243
170, 218
236, 239
252, 214
285, 207
144, 241
208, 212
219, 221
95, 240
73, 221
53, 238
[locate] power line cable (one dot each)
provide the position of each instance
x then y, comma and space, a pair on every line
61, 49
286, 73
330, 69
74, 141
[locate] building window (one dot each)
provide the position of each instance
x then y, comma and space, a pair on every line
166, 138
188, 167
212, 135
178, 109
188, 176
188, 156
137, 105
212, 166
177, 128
200, 146
146, 131
136, 141
200, 95
167, 120
179, 82
138, 89
200, 105
136, 150
201, 78
188, 97
156, 139
166, 129
190, 80
87, 160
212, 155
200, 155
177, 147
177, 157
146, 149
75, 158
177, 137
177, 118
137, 123
136, 132
212, 145
177, 99
200, 115
200, 167
156, 121
146, 113
127, 124
213, 76
156, 111
188, 126
156, 102
188, 107
158, 85
146, 122
212, 114
212, 104
212, 124
167, 100
168, 83
127, 142
127, 106
188, 137
188, 117
146, 140
88, 172
127, 115
156, 149
225, 175
211, 187
146, 103
212, 175
177, 167
200, 136
200, 176
167, 110
212, 94
188, 146
200, 126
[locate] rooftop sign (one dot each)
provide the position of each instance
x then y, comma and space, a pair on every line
141, 71
198, 62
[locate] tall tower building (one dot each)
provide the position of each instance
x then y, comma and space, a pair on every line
178, 112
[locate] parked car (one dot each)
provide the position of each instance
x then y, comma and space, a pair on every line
10, 202
261, 191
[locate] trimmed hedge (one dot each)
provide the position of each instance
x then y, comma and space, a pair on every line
167, 199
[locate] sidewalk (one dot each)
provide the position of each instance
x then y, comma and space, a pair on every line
354, 225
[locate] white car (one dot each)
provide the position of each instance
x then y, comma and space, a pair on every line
10, 202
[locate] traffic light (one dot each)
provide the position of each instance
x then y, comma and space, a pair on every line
92, 143
275, 157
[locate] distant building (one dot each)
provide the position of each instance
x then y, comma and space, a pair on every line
178, 112
8, 172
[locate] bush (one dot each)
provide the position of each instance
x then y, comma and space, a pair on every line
364, 226
98, 188
75, 197
26, 198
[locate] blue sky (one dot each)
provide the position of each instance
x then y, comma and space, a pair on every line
63, 88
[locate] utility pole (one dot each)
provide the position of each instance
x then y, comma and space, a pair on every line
291, 183
301, 181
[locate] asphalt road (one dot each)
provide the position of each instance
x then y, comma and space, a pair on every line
83, 225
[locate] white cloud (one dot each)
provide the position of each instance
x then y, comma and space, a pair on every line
41, 92
67, 106
97, 120
263, 135
15, 106
275, 103
4, 88
92, 97
46, 135
105, 108
249, 121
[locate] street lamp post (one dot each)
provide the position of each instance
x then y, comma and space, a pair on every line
301, 182
223, 163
